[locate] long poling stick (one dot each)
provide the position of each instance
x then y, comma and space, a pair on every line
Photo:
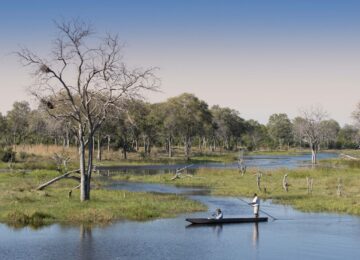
259, 209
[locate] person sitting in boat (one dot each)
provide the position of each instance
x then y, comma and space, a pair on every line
218, 214
256, 204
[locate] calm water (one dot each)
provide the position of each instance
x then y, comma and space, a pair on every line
294, 235
258, 161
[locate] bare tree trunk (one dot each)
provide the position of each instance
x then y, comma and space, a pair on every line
145, 147
313, 153
204, 143
99, 153
285, 183
169, 147
309, 182
187, 147
84, 192
108, 137
93, 146
67, 138
258, 180
89, 164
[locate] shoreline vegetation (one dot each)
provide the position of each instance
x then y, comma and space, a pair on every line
20, 204
335, 189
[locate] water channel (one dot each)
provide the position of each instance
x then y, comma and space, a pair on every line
294, 235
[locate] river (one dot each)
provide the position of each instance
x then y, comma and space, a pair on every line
294, 235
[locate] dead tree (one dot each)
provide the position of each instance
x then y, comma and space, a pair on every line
309, 128
66, 175
339, 188
242, 167
241, 163
309, 182
258, 180
82, 79
61, 161
179, 173
285, 183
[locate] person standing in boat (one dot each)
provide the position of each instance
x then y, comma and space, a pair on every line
256, 205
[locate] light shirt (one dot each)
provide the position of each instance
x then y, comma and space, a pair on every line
219, 216
256, 201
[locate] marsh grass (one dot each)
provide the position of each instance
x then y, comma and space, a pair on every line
228, 182
20, 204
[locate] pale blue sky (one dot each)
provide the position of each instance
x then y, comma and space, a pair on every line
258, 57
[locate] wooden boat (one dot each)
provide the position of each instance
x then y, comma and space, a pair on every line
211, 221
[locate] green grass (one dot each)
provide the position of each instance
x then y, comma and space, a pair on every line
228, 182
20, 204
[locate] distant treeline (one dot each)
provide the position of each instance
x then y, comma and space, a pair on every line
184, 121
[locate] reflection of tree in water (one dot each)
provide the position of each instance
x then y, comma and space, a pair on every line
85, 245
255, 237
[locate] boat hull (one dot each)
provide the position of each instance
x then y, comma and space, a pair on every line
210, 221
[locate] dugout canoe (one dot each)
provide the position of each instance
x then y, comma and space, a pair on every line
211, 221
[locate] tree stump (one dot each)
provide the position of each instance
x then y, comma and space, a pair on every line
309, 182
258, 180
285, 183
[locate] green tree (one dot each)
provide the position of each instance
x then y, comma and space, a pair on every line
256, 135
189, 115
4, 131
18, 121
348, 137
331, 130
229, 126
280, 129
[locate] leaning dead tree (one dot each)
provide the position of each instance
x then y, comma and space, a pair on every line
61, 161
80, 80
63, 176
180, 173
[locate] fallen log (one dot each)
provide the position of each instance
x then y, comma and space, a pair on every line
349, 157
179, 172
42, 186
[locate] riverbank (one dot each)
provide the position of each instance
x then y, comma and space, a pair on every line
20, 204
334, 189
42, 156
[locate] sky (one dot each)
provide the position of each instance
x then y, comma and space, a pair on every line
258, 57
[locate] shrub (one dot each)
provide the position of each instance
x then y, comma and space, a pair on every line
7, 155
23, 155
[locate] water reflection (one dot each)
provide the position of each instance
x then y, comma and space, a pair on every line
86, 242
255, 237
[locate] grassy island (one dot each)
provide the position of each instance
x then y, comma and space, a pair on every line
21, 204
334, 189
